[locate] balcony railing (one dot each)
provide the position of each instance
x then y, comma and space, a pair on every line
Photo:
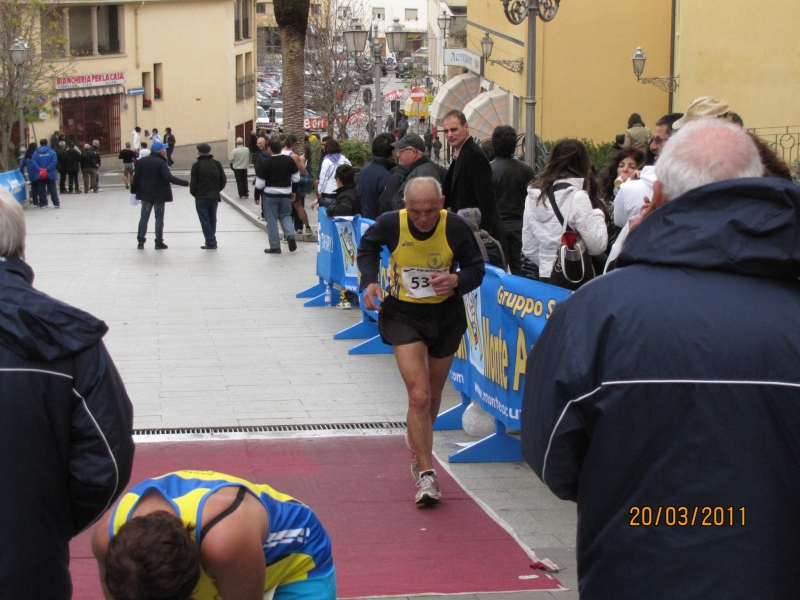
109, 47
784, 140
249, 86
236, 35
246, 28
80, 49
241, 86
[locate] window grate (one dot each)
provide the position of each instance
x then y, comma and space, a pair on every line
273, 428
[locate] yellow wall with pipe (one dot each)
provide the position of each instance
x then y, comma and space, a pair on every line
744, 54
585, 86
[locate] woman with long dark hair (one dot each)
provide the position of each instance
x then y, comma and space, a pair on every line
564, 179
637, 134
24, 162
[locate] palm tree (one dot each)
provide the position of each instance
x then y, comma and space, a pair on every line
292, 19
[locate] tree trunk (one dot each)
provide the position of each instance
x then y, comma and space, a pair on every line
292, 19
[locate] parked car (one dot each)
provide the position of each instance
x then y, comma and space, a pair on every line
405, 68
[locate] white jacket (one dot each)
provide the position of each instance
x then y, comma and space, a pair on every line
628, 201
327, 174
541, 231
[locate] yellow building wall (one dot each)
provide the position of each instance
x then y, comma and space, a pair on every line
746, 55
585, 86
194, 43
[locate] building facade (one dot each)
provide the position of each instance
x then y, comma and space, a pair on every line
191, 65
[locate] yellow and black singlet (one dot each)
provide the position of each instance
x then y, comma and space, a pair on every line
414, 261
297, 547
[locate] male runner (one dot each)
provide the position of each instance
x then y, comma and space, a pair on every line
206, 535
422, 316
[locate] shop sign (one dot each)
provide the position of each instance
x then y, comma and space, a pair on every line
461, 57
93, 80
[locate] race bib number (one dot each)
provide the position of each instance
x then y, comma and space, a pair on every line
417, 282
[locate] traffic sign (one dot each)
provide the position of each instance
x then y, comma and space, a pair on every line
417, 94
136, 91
428, 99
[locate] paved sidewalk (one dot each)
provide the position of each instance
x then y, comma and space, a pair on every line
217, 338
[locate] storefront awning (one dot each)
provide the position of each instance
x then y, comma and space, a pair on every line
85, 92
454, 95
486, 112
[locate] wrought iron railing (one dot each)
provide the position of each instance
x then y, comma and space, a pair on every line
246, 28
80, 49
236, 35
249, 86
109, 47
784, 140
241, 86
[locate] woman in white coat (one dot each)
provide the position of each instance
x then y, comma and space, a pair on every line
326, 184
566, 171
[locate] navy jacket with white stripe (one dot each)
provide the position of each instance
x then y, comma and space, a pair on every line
664, 398
66, 423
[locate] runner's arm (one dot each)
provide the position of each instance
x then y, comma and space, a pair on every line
385, 232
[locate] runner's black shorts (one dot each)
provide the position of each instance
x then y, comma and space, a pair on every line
440, 326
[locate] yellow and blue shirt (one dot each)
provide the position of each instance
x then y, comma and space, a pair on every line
297, 547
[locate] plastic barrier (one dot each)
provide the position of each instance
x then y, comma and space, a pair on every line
14, 182
505, 316
337, 247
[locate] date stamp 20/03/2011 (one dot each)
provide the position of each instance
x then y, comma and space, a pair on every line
687, 516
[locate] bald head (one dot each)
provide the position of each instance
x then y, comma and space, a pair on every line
423, 199
703, 152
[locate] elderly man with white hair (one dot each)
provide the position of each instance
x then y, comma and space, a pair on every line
664, 398
239, 158
66, 445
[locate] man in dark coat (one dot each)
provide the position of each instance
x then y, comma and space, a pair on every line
61, 153
373, 177
151, 185
348, 201
73, 162
510, 179
469, 178
206, 182
664, 398
66, 433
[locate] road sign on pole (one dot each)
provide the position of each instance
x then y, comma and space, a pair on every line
136, 91
417, 94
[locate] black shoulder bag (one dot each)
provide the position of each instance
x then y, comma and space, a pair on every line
572, 266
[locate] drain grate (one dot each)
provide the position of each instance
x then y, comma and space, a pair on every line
272, 428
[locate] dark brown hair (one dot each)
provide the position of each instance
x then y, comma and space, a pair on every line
607, 185
152, 557
332, 146
568, 158
457, 114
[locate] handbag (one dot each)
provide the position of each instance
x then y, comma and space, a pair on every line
42, 173
572, 266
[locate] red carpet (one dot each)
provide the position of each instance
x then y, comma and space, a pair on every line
362, 490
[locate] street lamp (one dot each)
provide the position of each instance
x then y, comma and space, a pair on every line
19, 53
487, 43
516, 11
355, 39
444, 21
396, 37
665, 84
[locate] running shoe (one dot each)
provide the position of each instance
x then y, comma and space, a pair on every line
428, 493
344, 305
414, 463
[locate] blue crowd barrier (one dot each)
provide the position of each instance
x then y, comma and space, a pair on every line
505, 316
337, 248
14, 182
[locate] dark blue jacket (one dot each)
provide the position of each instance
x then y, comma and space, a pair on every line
152, 178
66, 447
44, 157
671, 387
371, 181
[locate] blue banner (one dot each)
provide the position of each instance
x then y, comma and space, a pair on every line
15, 183
505, 316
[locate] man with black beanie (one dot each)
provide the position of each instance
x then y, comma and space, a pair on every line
206, 182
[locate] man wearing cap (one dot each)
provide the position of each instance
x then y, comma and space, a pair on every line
151, 185
413, 162
206, 182
240, 159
